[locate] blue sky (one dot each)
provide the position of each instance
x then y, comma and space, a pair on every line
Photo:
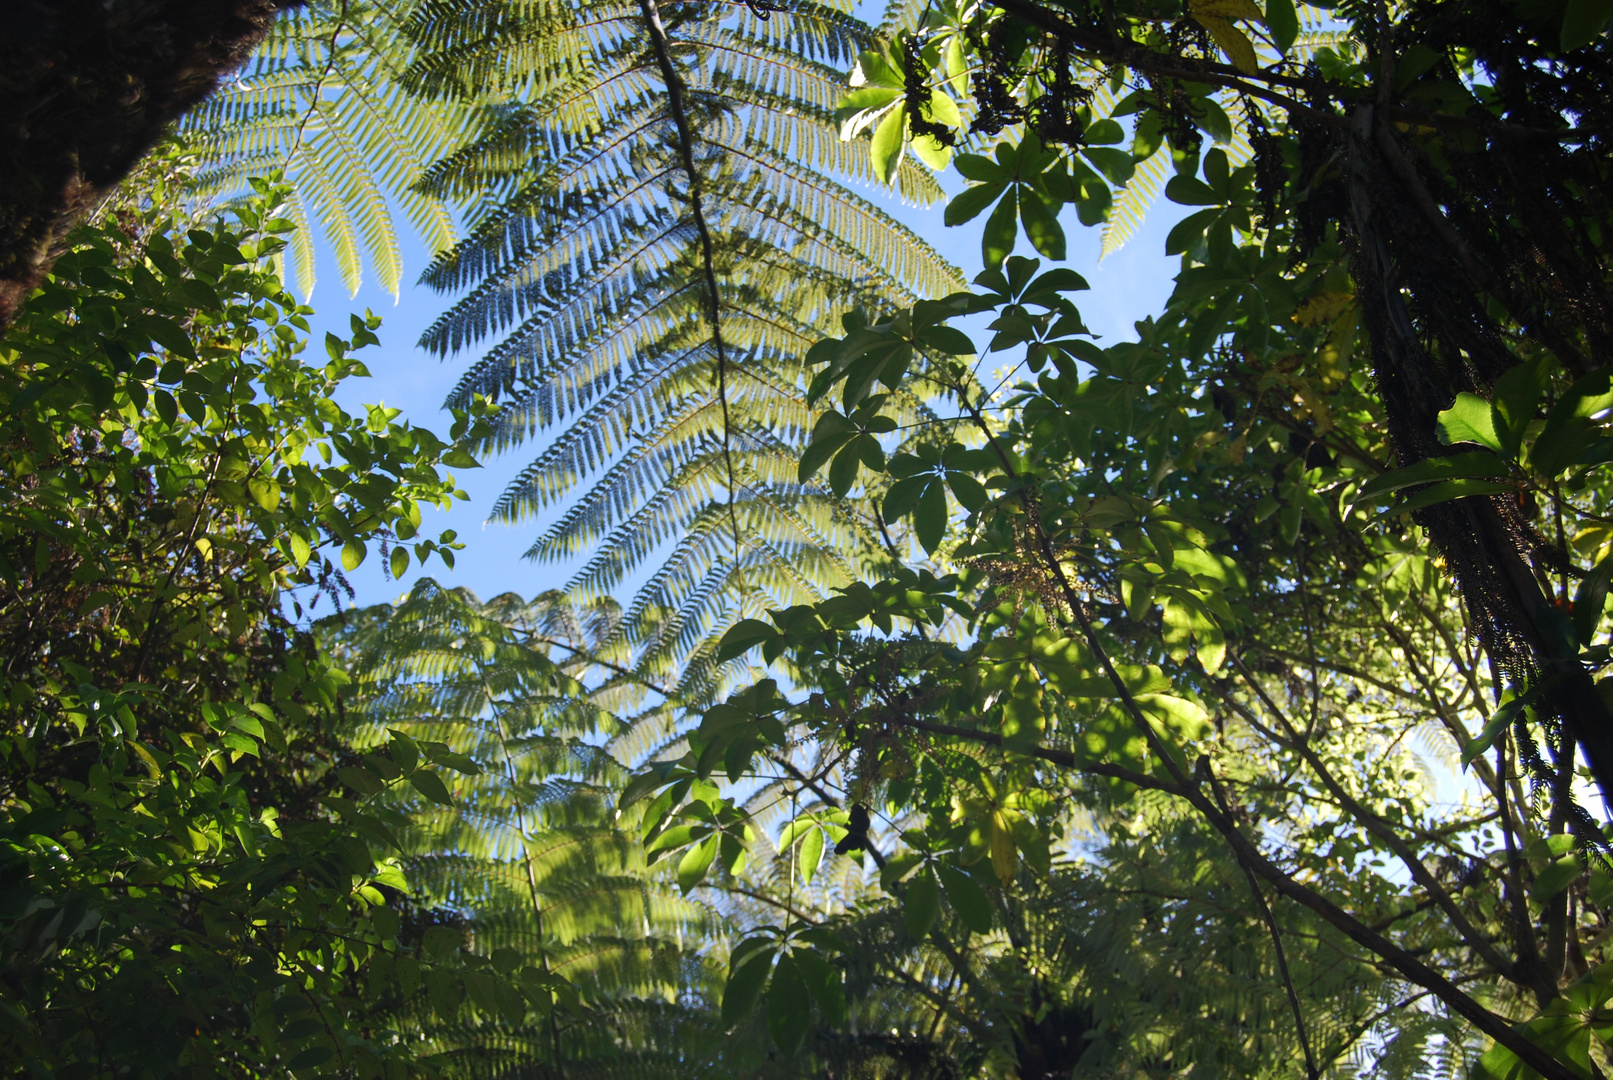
1127, 286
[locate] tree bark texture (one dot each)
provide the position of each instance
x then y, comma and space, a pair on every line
1482, 538
86, 88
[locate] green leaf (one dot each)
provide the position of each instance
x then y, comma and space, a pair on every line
947, 339
789, 1008
967, 898
300, 549
1514, 401
444, 992
930, 517
811, 854
1556, 877
361, 780
165, 332
482, 989
969, 203
1476, 464
970, 492
460, 458
746, 975
831, 432
1584, 21
431, 786
981, 169
1283, 22
353, 553
310, 1058
903, 497
885, 150
1589, 601
1469, 420
932, 151
1117, 166
744, 636
843, 473
1191, 191
696, 861
1186, 233
1447, 492
921, 904
399, 561
826, 985
1500, 720
1041, 225
1002, 230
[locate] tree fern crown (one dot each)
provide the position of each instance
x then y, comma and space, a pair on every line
664, 228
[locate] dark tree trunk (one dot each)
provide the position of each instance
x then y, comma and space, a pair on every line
86, 88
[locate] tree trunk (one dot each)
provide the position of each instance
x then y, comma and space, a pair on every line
86, 88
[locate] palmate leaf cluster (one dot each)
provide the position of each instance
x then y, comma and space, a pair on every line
322, 103
662, 228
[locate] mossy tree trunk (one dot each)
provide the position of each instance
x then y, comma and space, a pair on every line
86, 87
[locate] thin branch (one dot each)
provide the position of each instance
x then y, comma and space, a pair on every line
1311, 1071
1382, 829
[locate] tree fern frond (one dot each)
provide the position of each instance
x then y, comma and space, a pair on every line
321, 98
640, 241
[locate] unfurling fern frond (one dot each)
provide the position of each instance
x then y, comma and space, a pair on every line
322, 99
665, 230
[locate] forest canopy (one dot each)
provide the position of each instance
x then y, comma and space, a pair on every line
941, 691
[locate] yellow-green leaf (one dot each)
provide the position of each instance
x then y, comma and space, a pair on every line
1232, 41
885, 151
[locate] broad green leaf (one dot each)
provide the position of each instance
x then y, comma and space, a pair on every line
921, 904
444, 992
1584, 21
745, 980
695, 862
1446, 492
930, 516
1556, 877
967, 204
1041, 225
431, 786
1589, 601
789, 1006
967, 898
742, 637
825, 984
1475, 464
934, 153
1283, 21
361, 780
1470, 420
811, 854
353, 553
885, 150
830, 434
1239, 50
1002, 230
